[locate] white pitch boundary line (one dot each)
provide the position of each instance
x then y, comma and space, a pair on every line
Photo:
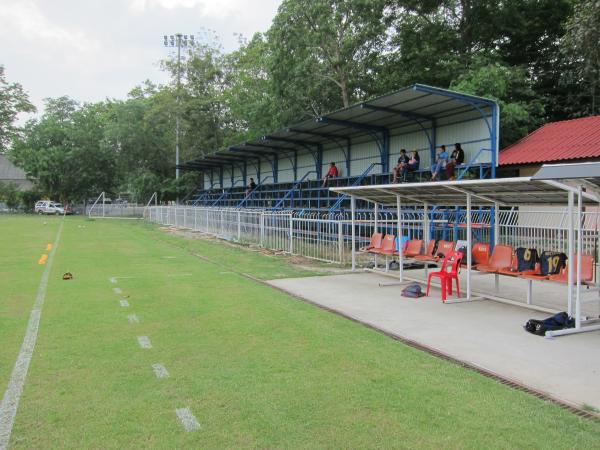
124, 303
160, 371
144, 342
117, 290
133, 318
113, 280
187, 419
10, 401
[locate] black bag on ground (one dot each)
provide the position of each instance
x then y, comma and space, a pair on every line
556, 322
413, 290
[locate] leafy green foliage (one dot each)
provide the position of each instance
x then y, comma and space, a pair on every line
13, 100
511, 88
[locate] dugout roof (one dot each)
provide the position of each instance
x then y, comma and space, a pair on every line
504, 191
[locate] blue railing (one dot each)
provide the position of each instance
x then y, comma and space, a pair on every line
357, 182
295, 187
225, 193
252, 192
472, 163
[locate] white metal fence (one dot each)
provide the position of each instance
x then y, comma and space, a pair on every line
327, 237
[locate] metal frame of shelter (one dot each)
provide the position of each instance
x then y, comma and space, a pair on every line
418, 108
572, 184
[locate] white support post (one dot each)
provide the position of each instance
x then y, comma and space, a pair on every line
262, 229
291, 218
579, 250
496, 241
353, 225
400, 246
570, 239
103, 202
239, 226
340, 225
469, 245
426, 231
376, 230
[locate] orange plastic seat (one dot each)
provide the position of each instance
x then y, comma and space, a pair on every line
374, 242
387, 246
501, 259
428, 253
413, 248
445, 247
587, 271
480, 253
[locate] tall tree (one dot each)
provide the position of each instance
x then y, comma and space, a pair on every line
581, 47
324, 52
13, 100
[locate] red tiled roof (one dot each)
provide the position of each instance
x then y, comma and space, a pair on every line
556, 141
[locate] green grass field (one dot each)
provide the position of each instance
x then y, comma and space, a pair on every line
257, 368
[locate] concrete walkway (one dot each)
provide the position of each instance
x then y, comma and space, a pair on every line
484, 333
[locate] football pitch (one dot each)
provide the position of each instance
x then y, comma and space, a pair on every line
162, 341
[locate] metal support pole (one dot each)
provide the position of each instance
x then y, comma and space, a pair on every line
353, 225
376, 230
400, 246
496, 241
426, 231
262, 228
469, 245
239, 226
291, 234
579, 250
340, 225
570, 239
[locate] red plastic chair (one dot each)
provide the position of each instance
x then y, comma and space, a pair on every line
446, 276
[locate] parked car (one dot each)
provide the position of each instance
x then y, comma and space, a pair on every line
48, 207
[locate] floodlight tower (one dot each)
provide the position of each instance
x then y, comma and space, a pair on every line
178, 40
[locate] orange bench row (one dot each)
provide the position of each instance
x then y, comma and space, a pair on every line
503, 260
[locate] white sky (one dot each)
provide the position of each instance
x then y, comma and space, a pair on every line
93, 49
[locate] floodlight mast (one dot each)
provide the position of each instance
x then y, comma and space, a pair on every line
178, 40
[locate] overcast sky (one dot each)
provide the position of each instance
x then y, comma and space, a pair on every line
93, 49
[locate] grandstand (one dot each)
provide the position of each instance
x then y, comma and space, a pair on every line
363, 140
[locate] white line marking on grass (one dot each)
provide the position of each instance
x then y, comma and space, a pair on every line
113, 280
187, 419
10, 401
117, 290
144, 342
179, 275
124, 303
133, 318
169, 257
160, 371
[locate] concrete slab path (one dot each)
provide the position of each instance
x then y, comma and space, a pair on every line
484, 333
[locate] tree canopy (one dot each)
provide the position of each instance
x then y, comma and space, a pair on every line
538, 58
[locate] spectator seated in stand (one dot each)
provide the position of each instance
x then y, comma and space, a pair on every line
456, 159
413, 164
331, 173
440, 163
400, 167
